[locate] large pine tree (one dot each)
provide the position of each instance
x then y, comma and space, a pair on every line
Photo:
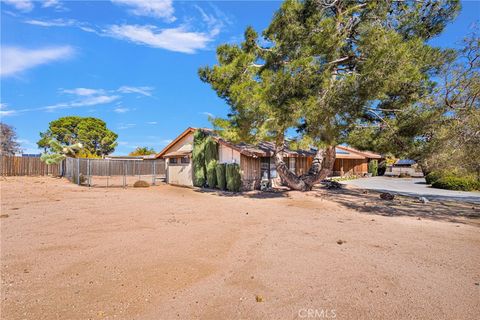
324, 67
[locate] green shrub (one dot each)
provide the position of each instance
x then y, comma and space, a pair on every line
432, 177
221, 178
212, 174
198, 159
373, 167
467, 183
234, 181
211, 150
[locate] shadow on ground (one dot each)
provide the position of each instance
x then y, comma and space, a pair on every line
369, 202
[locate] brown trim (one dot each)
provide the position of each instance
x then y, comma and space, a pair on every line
183, 134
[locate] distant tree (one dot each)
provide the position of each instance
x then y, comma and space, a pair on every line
142, 151
8, 143
97, 140
324, 67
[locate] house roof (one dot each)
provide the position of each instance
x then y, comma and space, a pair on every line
404, 162
365, 154
267, 149
180, 137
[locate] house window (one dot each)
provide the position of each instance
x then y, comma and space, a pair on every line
185, 159
173, 161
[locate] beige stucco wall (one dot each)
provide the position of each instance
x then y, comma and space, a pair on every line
180, 174
228, 155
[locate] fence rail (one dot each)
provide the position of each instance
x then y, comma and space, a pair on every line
111, 173
27, 166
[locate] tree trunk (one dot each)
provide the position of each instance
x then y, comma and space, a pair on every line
321, 167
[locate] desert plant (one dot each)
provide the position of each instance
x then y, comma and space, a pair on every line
466, 183
234, 180
221, 177
141, 184
60, 152
212, 174
373, 167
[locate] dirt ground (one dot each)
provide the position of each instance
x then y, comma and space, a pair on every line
164, 252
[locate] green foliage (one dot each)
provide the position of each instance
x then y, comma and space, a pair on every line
59, 152
212, 174
92, 133
432, 177
221, 176
142, 151
234, 181
198, 159
463, 183
373, 167
211, 150
324, 69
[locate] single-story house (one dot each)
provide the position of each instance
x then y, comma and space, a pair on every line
405, 167
256, 161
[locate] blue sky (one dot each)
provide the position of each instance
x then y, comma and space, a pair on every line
131, 63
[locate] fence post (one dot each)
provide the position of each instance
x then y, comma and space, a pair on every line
154, 172
124, 173
78, 171
88, 173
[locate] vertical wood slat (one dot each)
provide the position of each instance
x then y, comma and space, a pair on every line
26, 166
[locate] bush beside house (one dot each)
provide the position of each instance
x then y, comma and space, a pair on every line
452, 181
234, 181
221, 176
373, 167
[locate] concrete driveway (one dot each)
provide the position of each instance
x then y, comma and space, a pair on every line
412, 187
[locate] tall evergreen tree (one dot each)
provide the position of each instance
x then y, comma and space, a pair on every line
323, 68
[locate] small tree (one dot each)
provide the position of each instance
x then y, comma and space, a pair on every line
142, 151
8, 140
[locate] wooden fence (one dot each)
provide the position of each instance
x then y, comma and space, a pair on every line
27, 166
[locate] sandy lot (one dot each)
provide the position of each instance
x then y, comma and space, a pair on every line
164, 252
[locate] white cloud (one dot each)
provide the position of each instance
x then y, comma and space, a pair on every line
146, 91
3, 106
162, 9
22, 5
87, 102
51, 3
6, 113
121, 110
51, 23
174, 39
124, 126
15, 60
152, 122
84, 91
